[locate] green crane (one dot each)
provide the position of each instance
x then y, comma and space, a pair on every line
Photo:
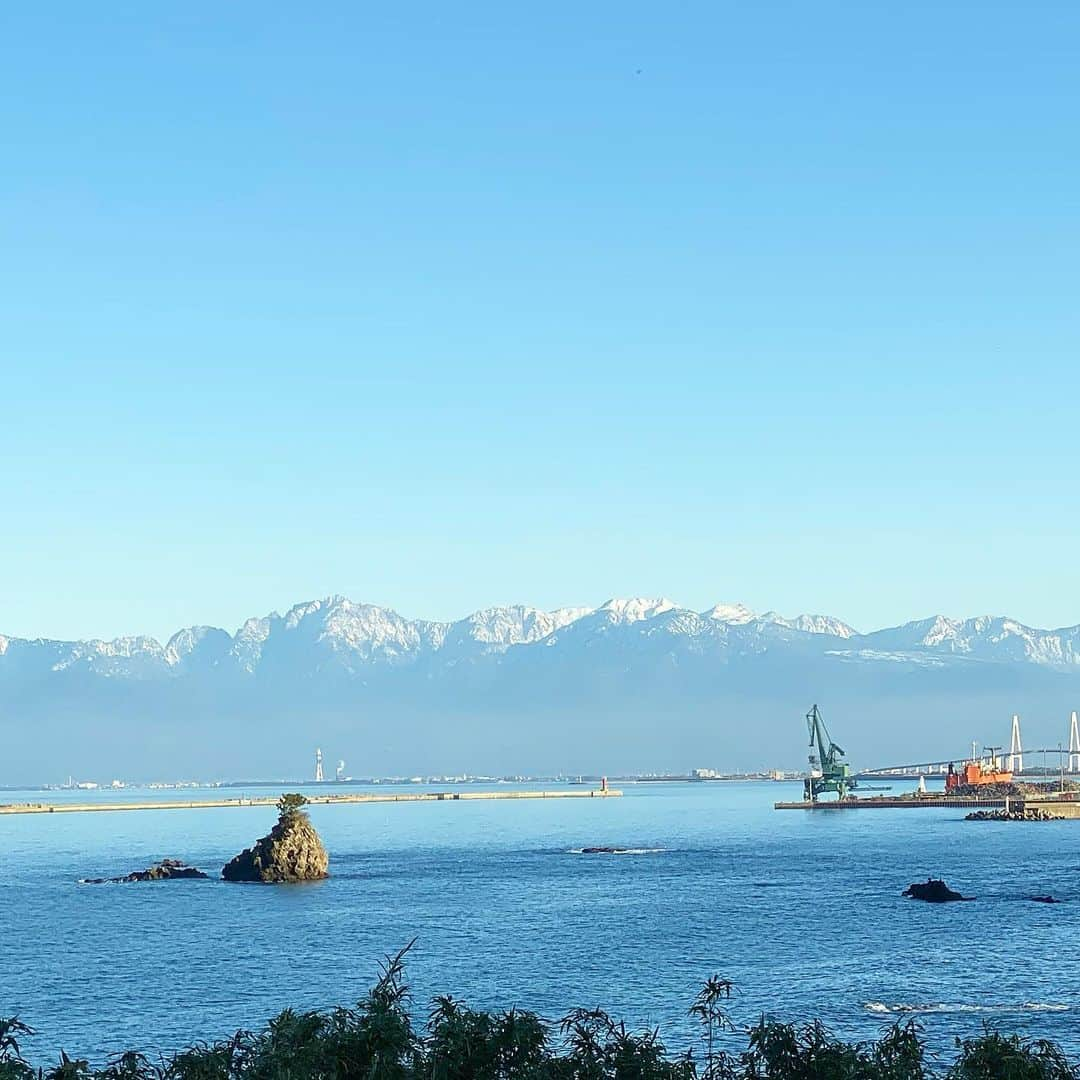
828, 769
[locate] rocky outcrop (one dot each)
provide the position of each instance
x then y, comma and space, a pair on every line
165, 870
933, 891
292, 851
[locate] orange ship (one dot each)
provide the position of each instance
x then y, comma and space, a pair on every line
975, 773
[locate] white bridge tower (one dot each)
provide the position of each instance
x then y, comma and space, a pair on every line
1016, 749
318, 766
1074, 746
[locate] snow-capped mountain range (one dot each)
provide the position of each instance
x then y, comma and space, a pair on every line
633, 684
339, 632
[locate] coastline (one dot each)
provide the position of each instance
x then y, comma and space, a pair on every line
316, 800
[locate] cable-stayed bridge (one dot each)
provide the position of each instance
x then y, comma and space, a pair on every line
1065, 760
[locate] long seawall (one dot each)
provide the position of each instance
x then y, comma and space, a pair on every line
957, 802
315, 800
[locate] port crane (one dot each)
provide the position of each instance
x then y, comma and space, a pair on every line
828, 769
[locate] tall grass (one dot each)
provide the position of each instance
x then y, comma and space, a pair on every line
377, 1039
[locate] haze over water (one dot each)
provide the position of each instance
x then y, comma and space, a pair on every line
802, 911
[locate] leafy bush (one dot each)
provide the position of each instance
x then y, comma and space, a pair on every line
291, 804
376, 1040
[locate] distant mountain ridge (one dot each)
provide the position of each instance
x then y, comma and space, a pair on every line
635, 684
358, 634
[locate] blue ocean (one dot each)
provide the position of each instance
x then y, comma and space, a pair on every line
802, 911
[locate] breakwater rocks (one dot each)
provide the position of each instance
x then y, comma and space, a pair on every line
1034, 814
933, 891
292, 851
166, 870
1018, 790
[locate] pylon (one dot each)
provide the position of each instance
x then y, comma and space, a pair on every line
1016, 750
1074, 746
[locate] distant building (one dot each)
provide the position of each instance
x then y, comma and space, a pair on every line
705, 774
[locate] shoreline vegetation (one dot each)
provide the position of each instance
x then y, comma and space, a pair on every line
379, 1039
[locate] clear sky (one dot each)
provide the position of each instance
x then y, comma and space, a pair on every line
444, 306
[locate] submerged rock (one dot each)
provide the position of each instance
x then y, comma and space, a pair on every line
165, 870
1045, 900
292, 851
933, 891
604, 851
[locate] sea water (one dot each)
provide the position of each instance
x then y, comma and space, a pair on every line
801, 910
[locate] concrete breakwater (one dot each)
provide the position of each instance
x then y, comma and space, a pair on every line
898, 803
315, 800
1026, 807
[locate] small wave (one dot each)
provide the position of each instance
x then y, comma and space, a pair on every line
616, 851
897, 1008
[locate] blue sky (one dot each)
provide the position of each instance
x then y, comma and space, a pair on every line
449, 306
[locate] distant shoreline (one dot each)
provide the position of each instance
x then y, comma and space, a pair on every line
209, 804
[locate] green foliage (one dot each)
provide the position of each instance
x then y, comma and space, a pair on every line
377, 1040
69, 1069
993, 1056
130, 1066
811, 1052
710, 1010
12, 1064
291, 804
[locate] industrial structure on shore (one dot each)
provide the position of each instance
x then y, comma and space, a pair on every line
1068, 760
983, 780
828, 769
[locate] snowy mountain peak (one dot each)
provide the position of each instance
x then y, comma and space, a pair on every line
518, 624
734, 614
635, 609
941, 629
184, 642
299, 612
812, 624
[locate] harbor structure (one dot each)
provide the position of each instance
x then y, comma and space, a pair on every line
1016, 749
828, 769
602, 792
984, 780
1015, 761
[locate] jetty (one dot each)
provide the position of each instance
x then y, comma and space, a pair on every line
314, 800
898, 802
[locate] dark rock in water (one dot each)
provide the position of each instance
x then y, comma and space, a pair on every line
291, 852
165, 870
604, 850
1045, 900
933, 891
